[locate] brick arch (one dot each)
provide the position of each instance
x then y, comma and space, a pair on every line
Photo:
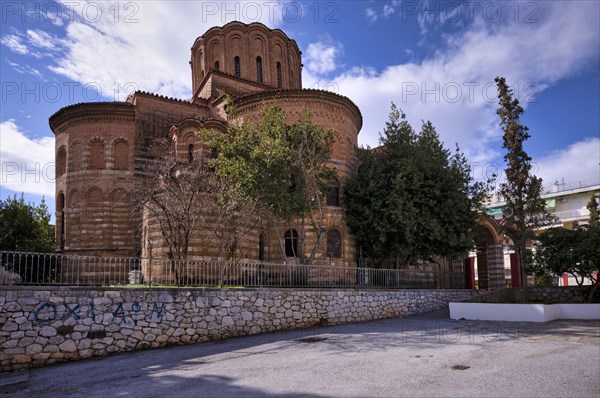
157, 149
61, 161
121, 154
60, 220
73, 199
94, 197
120, 219
119, 197
489, 253
97, 159
75, 154
335, 243
337, 147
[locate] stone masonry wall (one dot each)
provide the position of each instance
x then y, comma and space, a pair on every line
41, 326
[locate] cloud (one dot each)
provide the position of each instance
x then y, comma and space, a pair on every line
25, 69
41, 39
321, 57
578, 162
14, 43
139, 49
388, 10
27, 163
455, 88
371, 14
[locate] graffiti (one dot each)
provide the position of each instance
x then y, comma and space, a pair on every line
47, 312
405, 295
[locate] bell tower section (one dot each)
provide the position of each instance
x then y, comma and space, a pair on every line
253, 53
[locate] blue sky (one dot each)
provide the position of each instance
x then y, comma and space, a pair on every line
435, 60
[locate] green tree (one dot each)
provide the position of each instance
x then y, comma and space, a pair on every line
525, 210
592, 206
573, 251
411, 198
25, 226
282, 167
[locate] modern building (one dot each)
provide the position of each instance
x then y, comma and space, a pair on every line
566, 201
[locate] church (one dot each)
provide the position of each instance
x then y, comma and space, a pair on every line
103, 149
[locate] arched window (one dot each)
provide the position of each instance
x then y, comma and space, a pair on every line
334, 244
261, 246
237, 67
61, 161
333, 197
216, 65
60, 204
278, 74
291, 243
259, 74
121, 154
97, 155
191, 153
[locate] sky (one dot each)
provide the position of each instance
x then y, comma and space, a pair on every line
435, 60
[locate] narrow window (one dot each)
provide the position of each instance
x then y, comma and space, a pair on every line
214, 153
261, 247
238, 69
259, 74
334, 244
216, 65
278, 74
291, 243
61, 161
333, 197
191, 153
61, 211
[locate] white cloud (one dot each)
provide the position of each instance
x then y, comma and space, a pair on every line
25, 69
371, 15
455, 88
15, 43
41, 39
578, 162
27, 163
321, 57
388, 10
140, 49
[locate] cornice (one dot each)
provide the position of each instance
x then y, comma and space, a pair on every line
246, 28
301, 95
91, 111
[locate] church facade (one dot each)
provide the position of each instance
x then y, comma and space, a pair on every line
103, 149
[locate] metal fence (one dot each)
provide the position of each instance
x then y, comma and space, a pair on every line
17, 268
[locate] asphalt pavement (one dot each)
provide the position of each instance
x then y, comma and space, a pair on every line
422, 356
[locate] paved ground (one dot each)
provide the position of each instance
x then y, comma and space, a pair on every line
424, 356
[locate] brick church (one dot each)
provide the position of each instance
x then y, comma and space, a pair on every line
103, 148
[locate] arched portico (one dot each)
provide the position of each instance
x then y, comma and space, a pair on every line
490, 254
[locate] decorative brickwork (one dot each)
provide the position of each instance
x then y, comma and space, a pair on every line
105, 151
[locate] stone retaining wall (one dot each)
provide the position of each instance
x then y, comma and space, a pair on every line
41, 326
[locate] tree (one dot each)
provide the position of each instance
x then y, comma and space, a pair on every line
282, 167
525, 210
592, 206
411, 199
25, 226
573, 251
183, 197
